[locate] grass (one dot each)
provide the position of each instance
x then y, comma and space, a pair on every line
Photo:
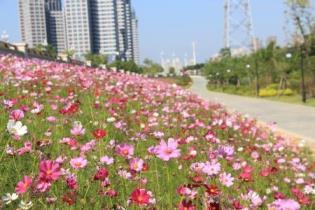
242, 91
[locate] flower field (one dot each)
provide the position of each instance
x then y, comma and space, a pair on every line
73, 137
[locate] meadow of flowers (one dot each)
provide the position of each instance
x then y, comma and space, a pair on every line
73, 137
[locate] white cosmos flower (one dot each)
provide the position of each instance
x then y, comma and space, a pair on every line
25, 206
111, 119
16, 128
8, 198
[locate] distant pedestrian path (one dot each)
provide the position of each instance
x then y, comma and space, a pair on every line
297, 119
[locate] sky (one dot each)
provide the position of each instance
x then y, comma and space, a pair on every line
172, 25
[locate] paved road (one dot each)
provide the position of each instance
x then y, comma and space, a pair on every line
296, 119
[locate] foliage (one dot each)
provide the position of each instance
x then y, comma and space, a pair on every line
151, 68
49, 50
129, 66
96, 59
184, 80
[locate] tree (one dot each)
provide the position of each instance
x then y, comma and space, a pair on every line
302, 18
130, 66
152, 68
96, 59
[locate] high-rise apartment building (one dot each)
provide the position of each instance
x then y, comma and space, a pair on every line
56, 31
33, 22
108, 27
104, 27
113, 28
78, 26
135, 37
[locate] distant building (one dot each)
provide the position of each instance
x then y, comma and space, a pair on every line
33, 22
108, 27
104, 27
55, 21
78, 27
135, 37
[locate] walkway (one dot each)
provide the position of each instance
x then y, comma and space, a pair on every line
296, 119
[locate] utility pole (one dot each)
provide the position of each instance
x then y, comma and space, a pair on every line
238, 25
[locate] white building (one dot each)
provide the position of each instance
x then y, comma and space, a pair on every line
78, 27
33, 22
135, 37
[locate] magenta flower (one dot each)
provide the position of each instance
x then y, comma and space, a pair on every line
17, 115
167, 151
78, 163
27, 148
49, 170
23, 185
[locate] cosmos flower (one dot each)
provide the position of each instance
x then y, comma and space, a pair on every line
284, 204
8, 198
186, 205
211, 168
99, 133
141, 197
16, 128
125, 150
49, 171
226, 179
107, 160
77, 129
136, 164
17, 115
23, 185
25, 205
78, 163
167, 151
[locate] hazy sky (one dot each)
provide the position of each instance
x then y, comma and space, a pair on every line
172, 25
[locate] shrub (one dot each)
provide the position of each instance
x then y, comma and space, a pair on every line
184, 80
288, 92
267, 92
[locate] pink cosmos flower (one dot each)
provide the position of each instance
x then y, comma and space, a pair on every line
226, 179
107, 160
282, 204
51, 119
49, 170
136, 164
17, 115
23, 185
27, 148
87, 147
125, 150
211, 168
78, 163
167, 151
37, 108
71, 142
77, 129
